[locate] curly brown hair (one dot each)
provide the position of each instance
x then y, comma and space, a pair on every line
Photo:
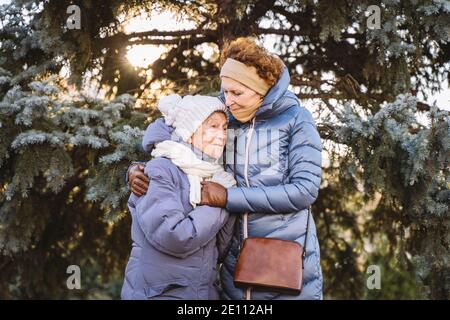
247, 51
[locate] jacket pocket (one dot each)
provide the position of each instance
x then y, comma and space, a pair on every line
173, 289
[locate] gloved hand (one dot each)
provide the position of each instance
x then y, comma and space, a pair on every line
213, 194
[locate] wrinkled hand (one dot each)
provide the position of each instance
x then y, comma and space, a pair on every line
213, 194
137, 180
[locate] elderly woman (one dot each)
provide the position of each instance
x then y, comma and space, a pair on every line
277, 152
176, 241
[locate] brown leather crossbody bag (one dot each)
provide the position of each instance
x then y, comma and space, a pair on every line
270, 264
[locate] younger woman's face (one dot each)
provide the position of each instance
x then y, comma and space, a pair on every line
211, 136
239, 97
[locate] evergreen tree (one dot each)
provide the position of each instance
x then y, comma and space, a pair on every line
63, 154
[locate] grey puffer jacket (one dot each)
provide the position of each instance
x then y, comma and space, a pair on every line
175, 247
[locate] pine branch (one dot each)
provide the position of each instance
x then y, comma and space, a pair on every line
158, 33
191, 40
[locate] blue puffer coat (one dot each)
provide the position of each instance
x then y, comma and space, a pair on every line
279, 156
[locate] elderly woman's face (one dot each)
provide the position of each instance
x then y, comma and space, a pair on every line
211, 136
239, 97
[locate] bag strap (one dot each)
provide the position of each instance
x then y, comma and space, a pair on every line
306, 237
247, 294
236, 224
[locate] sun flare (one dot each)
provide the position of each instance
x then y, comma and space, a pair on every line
142, 56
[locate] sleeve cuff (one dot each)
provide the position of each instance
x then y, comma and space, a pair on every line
235, 200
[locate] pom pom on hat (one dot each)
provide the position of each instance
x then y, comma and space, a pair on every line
168, 106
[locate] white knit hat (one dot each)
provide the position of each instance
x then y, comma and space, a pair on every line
187, 114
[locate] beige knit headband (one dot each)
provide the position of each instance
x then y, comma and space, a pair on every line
244, 74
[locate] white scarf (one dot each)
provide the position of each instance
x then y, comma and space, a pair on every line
195, 169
